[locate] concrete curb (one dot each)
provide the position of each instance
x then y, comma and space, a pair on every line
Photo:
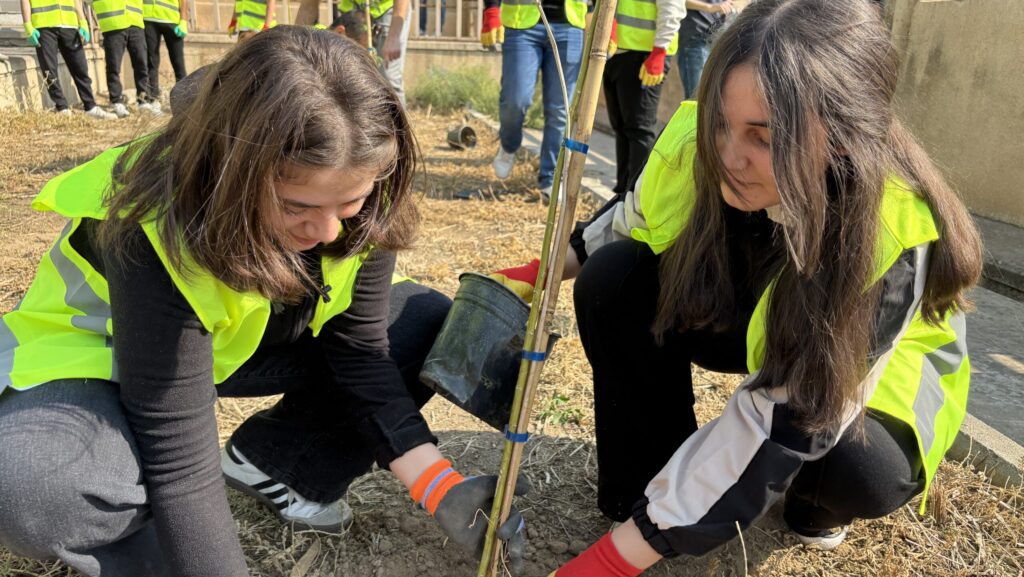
989, 451
1000, 458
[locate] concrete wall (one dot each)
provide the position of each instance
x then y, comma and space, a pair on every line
21, 83
961, 92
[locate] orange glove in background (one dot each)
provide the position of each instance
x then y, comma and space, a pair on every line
653, 70
491, 31
613, 42
232, 25
520, 280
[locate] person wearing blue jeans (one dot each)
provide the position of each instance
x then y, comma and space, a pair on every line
526, 52
702, 18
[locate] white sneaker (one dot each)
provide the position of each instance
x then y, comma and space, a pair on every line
121, 111
289, 506
545, 195
826, 540
151, 107
64, 112
503, 163
99, 113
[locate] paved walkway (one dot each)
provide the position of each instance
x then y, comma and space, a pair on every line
995, 329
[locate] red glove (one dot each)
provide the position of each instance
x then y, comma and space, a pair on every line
520, 279
491, 31
653, 70
602, 559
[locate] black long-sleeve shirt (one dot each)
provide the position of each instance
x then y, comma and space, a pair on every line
164, 359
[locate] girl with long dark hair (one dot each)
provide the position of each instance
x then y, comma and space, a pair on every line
247, 249
790, 228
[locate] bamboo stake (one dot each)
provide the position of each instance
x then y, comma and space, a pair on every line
561, 215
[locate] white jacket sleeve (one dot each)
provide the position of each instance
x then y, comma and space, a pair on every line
670, 14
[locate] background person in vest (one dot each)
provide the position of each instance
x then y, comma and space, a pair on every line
58, 26
854, 395
252, 16
646, 35
525, 52
122, 28
267, 269
167, 19
390, 29
702, 19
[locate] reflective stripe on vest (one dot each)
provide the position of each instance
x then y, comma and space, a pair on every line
523, 14
161, 11
62, 328
637, 23
251, 15
53, 13
118, 14
377, 9
926, 379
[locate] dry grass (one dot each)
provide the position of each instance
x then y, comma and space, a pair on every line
973, 528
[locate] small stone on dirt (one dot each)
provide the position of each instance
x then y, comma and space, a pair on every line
578, 546
558, 547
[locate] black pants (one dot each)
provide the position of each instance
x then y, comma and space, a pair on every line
302, 441
114, 44
68, 43
175, 52
643, 401
633, 113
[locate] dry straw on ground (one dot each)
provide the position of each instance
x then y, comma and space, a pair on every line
972, 528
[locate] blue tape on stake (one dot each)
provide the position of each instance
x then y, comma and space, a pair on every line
576, 146
516, 437
534, 356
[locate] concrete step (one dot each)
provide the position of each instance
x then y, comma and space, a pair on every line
1004, 257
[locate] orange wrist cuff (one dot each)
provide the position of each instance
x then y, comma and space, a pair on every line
433, 484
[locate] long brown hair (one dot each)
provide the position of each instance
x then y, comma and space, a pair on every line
827, 71
289, 96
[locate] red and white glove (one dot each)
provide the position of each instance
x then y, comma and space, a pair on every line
653, 70
601, 559
520, 279
491, 31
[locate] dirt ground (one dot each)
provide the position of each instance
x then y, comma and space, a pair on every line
972, 528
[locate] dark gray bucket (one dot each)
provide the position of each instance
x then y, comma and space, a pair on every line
462, 137
474, 362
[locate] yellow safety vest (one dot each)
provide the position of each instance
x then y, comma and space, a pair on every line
62, 326
377, 9
118, 14
251, 15
523, 14
637, 22
53, 13
161, 11
926, 380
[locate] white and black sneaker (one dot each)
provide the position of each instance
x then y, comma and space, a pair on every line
289, 506
826, 540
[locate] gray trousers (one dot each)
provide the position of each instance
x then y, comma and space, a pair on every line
396, 68
70, 485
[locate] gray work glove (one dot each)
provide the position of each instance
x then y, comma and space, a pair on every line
463, 513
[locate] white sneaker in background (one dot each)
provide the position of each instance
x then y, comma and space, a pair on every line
121, 111
503, 163
64, 112
151, 107
99, 113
